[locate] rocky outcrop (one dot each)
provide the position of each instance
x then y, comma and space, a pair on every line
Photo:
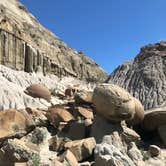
145, 76
26, 45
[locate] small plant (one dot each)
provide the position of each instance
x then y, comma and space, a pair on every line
146, 155
35, 160
15, 127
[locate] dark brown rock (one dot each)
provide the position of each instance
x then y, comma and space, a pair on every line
154, 118
154, 150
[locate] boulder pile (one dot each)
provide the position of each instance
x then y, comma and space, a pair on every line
92, 127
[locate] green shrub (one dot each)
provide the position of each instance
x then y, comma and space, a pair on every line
35, 160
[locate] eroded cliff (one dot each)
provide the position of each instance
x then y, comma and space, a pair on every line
26, 45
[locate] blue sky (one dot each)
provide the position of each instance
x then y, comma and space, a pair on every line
109, 31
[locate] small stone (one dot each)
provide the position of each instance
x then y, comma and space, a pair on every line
154, 150
86, 113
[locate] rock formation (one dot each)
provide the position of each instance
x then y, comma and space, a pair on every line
145, 76
26, 45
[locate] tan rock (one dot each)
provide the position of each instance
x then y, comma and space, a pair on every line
18, 150
154, 118
38, 90
88, 122
83, 97
15, 123
58, 114
113, 102
139, 113
154, 150
130, 135
82, 149
86, 113
68, 158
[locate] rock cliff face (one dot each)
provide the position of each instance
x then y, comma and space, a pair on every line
145, 76
26, 45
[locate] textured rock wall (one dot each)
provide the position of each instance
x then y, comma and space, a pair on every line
145, 76
17, 54
26, 44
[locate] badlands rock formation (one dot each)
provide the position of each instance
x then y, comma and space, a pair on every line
145, 76
26, 45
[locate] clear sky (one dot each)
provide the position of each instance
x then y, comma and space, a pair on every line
109, 31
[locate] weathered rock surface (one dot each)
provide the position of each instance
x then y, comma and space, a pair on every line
15, 123
113, 102
39, 91
145, 76
68, 158
27, 45
57, 114
13, 84
82, 149
108, 155
17, 151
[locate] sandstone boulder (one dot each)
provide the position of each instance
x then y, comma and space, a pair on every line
15, 123
68, 158
82, 149
86, 113
154, 118
83, 97
113, 102
39, 91
139, 113
58, 114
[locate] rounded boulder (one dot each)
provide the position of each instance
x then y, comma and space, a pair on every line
38, 90
113, 102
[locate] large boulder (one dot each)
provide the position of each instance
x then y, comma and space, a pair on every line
154, 118
113, 102
40, 91
15, 123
